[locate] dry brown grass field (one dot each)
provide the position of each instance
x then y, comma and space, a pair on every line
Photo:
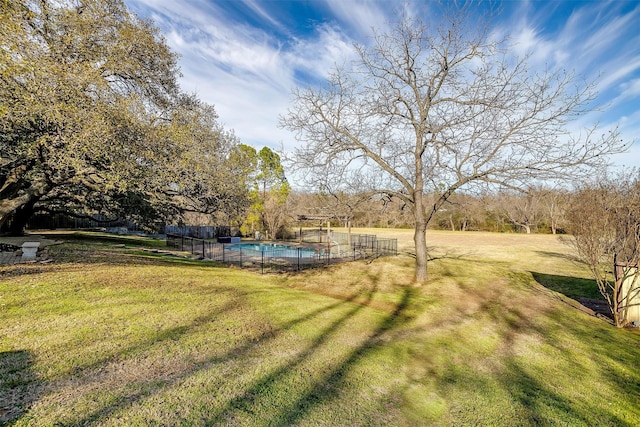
523, 251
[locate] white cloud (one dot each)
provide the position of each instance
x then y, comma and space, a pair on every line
600, 43
318, 56
618, 70
248, 73
528, 42
631, 88
601, 38
244, 71
259, 10
360, 15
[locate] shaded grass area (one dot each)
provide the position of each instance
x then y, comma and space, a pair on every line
112, 335
572, 287
579, 285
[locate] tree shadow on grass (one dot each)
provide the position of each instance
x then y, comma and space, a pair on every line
530, 385
19, 387
128, 394
245, 401
329, 387
582, 294
588, 354
92, 238
542, 405
545, 404
153, 386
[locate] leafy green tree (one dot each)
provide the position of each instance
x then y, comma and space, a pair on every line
93, 120
207, 175
274, 189
270, 171
268, 189
88, 106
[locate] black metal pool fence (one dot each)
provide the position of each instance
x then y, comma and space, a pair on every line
330, 248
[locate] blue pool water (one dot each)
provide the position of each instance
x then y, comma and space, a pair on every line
272, 250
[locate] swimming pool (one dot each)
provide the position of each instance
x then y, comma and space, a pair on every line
271, 250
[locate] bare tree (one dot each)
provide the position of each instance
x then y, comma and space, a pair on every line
604, 220
276, 208
553, 203
521, 209
439, 108
461, 212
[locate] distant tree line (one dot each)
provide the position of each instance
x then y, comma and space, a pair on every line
538, 210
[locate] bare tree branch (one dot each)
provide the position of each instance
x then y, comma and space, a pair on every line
436, 109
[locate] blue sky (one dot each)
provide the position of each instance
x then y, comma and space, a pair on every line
245, 56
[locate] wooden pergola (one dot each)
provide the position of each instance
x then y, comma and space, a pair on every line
325, 217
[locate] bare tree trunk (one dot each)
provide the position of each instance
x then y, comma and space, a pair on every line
618, 278
420, 239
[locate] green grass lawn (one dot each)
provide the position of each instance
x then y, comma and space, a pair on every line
112, 335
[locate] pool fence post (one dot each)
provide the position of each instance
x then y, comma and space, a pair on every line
298, 259
203, 243
223, 253
328, 242
262, 263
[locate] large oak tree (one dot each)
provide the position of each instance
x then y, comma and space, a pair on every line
433, 108
92, 118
